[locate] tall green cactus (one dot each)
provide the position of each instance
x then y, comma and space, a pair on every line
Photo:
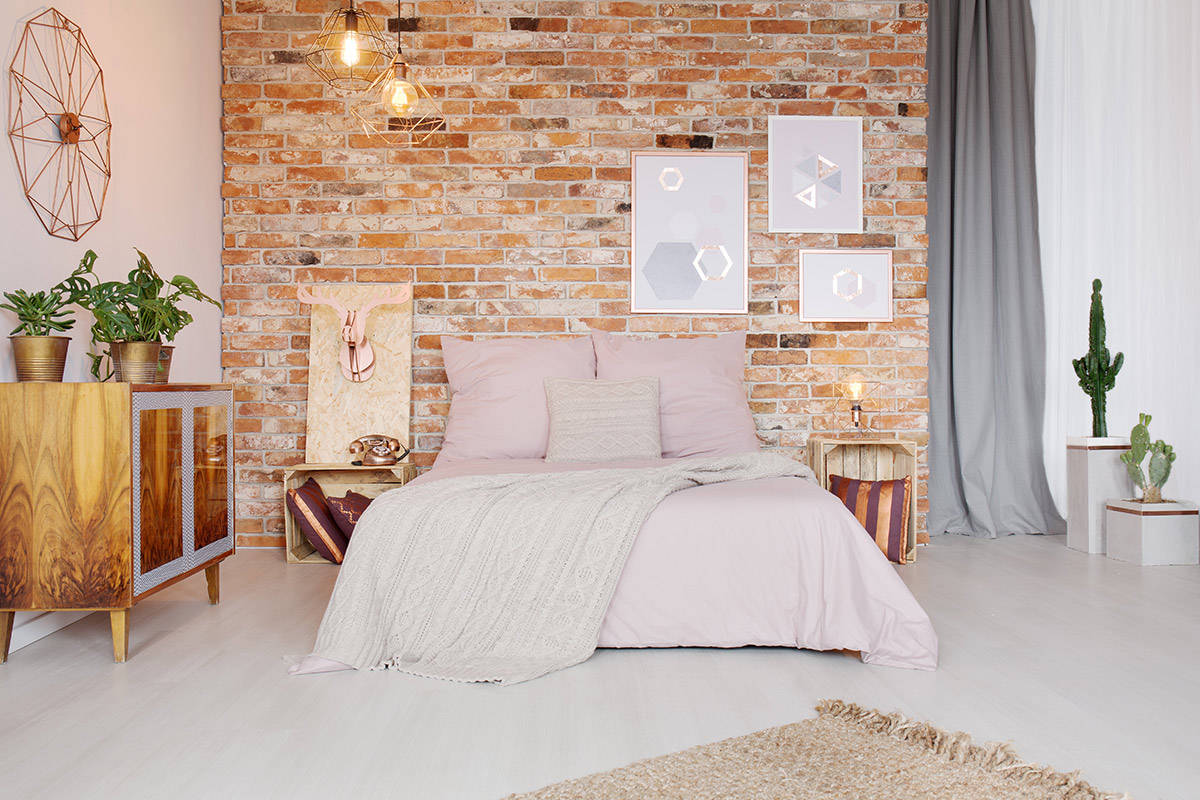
1162, 456
1097, 373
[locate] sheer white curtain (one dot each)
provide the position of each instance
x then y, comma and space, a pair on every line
1118, 160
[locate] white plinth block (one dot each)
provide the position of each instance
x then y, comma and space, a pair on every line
1094, 474
1153, 533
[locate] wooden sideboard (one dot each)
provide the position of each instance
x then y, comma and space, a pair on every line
110, 492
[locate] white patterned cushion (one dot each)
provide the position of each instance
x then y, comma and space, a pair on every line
603, 420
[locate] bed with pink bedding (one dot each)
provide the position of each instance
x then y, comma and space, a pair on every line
772, 562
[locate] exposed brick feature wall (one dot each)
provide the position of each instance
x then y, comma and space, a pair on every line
515, 221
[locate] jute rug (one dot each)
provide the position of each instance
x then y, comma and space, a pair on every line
847, 752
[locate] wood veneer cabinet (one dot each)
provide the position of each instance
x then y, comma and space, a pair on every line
110, 492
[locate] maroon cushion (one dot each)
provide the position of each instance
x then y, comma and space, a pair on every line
346, 510
308, 507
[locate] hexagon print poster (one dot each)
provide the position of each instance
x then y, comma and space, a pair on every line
814, 175
689, 243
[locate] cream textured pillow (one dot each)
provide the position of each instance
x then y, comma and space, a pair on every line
603, 420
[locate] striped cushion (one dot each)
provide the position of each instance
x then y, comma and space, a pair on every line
308, 508
881, 507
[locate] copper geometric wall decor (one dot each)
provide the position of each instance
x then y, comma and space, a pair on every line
58, 125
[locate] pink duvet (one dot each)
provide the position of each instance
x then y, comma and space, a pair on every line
778, 561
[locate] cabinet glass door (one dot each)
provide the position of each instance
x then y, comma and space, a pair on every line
160, 446
210, 448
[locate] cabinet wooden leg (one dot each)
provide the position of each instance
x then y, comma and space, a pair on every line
6, 628
213, 575
120, 634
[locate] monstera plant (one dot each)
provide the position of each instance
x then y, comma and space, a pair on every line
134, 316
1162, 456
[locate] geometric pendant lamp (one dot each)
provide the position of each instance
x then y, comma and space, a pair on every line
397, 107
349, 52
58, 125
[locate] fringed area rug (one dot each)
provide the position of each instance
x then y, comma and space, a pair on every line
846, 752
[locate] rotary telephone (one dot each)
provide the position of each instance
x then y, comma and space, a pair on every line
378, 450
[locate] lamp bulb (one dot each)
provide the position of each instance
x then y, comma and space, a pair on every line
350, 52
400, 96
854, 390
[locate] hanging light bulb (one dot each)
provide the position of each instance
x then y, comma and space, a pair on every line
350, 50
399, 96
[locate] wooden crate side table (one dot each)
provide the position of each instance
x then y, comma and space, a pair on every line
869, 459
335, 480
110, 492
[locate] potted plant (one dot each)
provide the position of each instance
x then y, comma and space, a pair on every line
40, 354
1094, 470
1151, 530
133, 317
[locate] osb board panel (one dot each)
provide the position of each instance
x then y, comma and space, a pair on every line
340, 410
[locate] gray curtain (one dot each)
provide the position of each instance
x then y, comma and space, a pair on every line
987, 357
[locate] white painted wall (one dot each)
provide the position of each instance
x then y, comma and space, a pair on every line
162, 72
1118, 130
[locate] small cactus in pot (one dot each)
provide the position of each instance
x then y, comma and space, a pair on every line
1162, 456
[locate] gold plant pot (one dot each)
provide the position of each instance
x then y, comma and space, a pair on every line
164, 362
40, 358
135, 362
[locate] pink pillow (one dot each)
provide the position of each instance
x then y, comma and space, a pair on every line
702, 401
498, 395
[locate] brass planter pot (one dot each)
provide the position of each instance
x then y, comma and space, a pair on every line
165, 353
40, 358
135, 362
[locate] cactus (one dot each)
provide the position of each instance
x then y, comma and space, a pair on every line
1162, 456
1096, 372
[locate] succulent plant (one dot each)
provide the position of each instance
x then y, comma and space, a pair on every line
1162, 456
1097, 372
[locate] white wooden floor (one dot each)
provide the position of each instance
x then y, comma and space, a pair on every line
1080, 661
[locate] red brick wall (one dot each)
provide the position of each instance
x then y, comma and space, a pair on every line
516, 221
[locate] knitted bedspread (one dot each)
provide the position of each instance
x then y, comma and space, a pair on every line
501, 578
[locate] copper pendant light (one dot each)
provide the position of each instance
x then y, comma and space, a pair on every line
398, 103
349, 52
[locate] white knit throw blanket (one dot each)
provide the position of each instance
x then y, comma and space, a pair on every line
501, 577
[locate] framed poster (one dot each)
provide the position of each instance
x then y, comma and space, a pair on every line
690, 244
814, 175
846, 285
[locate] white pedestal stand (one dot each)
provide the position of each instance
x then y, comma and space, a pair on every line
1094, 474
1153, 533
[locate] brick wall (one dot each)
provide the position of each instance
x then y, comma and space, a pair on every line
516, 220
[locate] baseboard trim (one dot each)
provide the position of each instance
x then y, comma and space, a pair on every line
31, 626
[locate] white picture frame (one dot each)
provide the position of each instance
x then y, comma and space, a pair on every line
690, 238
814, 174
846, 285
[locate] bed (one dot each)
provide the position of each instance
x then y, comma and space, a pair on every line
607, 491
770, 562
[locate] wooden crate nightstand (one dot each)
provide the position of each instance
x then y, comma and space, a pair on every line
335, 480
871, 459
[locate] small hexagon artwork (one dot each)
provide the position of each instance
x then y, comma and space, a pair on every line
670, 270
671, 179
847, 284
712, 262
816, 181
